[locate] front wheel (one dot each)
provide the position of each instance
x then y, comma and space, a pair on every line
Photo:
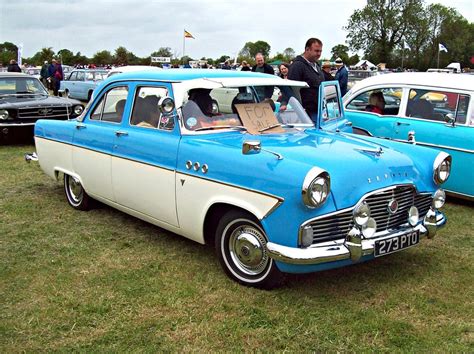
240, 245
75, 193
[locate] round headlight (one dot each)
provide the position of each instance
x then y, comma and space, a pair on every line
439, 198
78, 110
368, 230
413, 216
3, 114
316, 188
361, 214
442, 168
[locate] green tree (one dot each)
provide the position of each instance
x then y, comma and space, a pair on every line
289, 54
250, 49
67, 57
163, 52
340, 51
222, 59
8, 51
80, 59
381, 25
121, 56
102, 58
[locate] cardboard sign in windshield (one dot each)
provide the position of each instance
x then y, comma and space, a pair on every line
258, 118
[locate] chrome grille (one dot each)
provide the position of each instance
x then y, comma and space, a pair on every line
34, 113
336, 226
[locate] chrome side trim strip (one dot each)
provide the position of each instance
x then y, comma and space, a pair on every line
442, 147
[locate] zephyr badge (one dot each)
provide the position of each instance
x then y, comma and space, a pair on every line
392, 206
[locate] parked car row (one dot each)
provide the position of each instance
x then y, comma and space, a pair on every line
201, 154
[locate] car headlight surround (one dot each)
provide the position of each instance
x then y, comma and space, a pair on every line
442, 168
78, 109
4, 114
316, 187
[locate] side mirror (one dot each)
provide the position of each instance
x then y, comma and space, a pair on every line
450, 119
166, 105
251, 147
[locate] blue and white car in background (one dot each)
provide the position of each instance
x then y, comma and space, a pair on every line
427, 109
80, 84
273, 193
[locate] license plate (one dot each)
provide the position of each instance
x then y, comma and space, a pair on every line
396, 243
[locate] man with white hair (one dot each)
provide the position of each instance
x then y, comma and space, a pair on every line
342, 75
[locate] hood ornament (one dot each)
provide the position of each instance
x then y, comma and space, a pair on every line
376, 153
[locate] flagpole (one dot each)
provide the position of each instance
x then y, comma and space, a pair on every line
403, 55
184, 45
437, 65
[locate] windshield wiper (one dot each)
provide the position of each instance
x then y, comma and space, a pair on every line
238, 127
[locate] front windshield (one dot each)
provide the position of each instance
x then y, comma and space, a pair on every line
259, 110
21, 85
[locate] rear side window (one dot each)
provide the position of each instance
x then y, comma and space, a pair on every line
436, 105
365, 101
112, 105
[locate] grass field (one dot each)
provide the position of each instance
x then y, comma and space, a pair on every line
103, 280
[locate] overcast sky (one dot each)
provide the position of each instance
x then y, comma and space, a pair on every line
219, 26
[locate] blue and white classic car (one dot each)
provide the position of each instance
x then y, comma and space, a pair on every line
232, 159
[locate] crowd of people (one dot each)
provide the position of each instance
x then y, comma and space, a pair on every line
304, 67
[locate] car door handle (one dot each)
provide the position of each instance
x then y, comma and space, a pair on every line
349, 124
80, 126
120, 133
401, 123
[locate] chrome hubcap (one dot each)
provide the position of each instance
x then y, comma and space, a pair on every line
246, 247
75, 189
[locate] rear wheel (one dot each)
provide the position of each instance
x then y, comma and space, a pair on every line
240, 245
75, 193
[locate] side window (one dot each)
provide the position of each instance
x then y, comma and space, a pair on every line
111, 106
384, 101
80, 76
435, 105
146, 112
73, 76
89, 76
461, 109
331, 109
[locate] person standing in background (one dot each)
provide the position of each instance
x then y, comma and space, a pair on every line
342, 76
305, 68
44, 74
326, 66
13, 67
262, 67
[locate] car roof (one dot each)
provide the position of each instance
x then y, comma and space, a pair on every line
6, 74
176, 75
438, 80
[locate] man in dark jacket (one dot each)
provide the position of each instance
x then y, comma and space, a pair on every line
305, 68
262, 67
13, 67
342, 76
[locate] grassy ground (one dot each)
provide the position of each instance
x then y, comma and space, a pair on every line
102, 280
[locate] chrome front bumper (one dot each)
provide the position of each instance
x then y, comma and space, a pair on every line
353, 247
